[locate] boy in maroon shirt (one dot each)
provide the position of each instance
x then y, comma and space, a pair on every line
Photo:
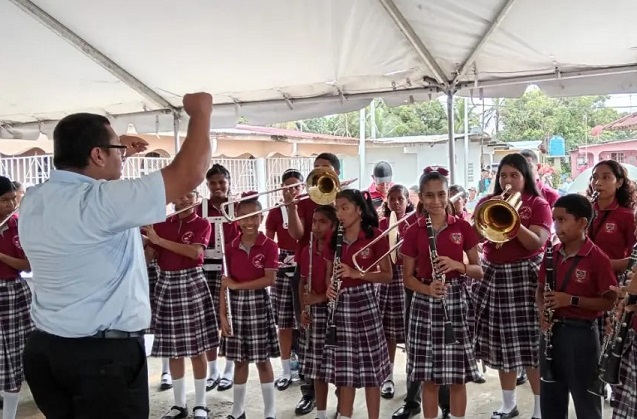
583, 278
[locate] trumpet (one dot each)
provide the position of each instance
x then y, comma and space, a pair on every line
322, 185
392, 234
497, 219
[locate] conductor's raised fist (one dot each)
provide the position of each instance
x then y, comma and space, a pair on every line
198, 104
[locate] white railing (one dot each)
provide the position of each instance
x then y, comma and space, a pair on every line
244, 172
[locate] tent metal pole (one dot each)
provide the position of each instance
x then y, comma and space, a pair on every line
452, 144
176, 125
93, 53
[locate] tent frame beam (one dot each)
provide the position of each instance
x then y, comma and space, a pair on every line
93, 53
416, 43
506, 8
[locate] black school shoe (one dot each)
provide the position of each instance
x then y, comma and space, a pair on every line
407, 410
176, 412
512, 414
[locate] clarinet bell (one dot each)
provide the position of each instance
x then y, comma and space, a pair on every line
450, 336
330, 338
547, 375
610, 372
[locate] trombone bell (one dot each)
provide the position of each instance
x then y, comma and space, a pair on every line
497, 219
323, 185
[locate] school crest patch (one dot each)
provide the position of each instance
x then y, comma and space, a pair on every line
456, 238
525, 212
610, 227
187, 237
258, 260
580, 275
16, 242
365, 254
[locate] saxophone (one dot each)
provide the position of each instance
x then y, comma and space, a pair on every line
549, 285
331, 337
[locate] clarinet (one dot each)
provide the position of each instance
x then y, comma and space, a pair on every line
331, 337
226, 294
549, 285
449, 334
308, 289
609, 372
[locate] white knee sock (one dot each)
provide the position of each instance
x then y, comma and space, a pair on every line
321, 414
267, 390
456, 417
239, 400
228, 372
537, 411
165, 366
508, 401
287, 371
10, 408
200, 392
213, 372
179, 390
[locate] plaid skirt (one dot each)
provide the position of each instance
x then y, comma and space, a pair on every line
281, 294
184, 320
507, 329
254, 337
213, 278
391, 301
626, 394
429, 359
312, 342
361, 358
15, 326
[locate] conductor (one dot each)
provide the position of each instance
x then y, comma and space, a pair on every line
80, 231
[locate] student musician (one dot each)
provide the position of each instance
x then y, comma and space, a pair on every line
314, 310
549, 194
360, 358
276, 225
430, 359
626, 393
218, 182
184, 320
250, 337
15, 302
300, 226
460, 204
580, 292
507, 330
391, 297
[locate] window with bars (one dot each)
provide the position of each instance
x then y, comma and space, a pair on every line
617, 156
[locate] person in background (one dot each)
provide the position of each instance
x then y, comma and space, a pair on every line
472, 199
549, 194
413, 195
381, 176
19, 190
485, 181
459, 204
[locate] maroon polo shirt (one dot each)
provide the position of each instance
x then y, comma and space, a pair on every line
246, 265
457, 237
305, 209
591, 277
550, 195
613, 230
274, 222
10, 246
365, 259
319, 268
534, 211
189, 230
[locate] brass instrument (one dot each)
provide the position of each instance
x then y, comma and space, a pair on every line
191, 206
331, 337
549, 285
322, 185
497, 219
392, 235
6, 220
226, 294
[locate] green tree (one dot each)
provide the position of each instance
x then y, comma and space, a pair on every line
536, 116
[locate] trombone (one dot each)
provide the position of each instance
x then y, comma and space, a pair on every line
323, 185
392, 234
189, 207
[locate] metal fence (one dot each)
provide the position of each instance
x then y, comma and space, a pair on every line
244, 172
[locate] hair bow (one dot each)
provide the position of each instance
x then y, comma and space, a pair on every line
438, 169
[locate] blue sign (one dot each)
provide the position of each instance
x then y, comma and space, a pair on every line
557, 146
